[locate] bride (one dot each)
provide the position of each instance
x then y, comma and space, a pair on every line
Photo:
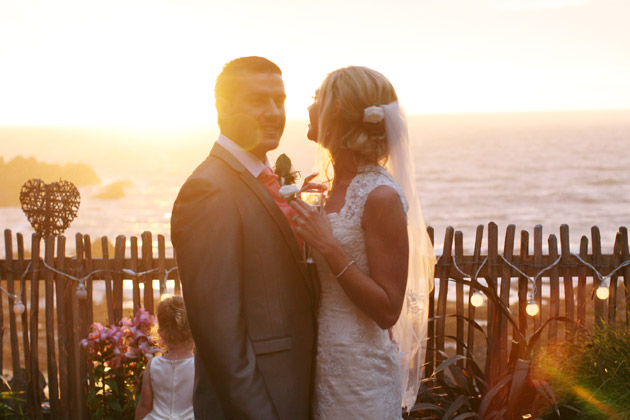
373, 254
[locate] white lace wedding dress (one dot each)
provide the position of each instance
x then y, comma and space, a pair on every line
356, 373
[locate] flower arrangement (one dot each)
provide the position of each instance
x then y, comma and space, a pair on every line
118, 355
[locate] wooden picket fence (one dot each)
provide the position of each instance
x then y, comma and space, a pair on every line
47, 275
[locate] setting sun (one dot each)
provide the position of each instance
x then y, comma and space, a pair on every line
153, 63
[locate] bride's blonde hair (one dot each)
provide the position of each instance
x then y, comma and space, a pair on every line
341, 100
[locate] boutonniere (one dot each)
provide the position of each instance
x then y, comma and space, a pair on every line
287, 177
284, 170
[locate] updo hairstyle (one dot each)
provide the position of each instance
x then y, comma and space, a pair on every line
341, 100
173, 322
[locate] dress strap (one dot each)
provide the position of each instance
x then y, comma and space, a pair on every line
367, 179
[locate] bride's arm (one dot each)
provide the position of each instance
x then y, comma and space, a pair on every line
380, 295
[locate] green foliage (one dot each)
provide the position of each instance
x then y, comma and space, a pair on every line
460, 389
11, 402
594, 373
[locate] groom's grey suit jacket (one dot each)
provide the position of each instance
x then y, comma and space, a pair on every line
249, 299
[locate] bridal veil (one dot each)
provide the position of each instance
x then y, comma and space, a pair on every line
410, 332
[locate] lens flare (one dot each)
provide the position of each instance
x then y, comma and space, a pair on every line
589, 397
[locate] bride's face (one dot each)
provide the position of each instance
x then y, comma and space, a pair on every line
313, 116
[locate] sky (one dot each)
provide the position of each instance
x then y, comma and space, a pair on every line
153, 63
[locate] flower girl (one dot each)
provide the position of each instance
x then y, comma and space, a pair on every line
167, 388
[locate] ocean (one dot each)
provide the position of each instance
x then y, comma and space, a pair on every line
547, 168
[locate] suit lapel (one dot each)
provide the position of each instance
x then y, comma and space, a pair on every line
269, 204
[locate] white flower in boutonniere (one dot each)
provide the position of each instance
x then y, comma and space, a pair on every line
284, 170
373, 114
288, 192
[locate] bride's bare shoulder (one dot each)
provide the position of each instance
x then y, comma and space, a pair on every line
383, 202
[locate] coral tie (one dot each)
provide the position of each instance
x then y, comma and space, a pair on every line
269, 180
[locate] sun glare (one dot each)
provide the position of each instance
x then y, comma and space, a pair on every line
153, 63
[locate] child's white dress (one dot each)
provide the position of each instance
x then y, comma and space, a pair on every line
172, 382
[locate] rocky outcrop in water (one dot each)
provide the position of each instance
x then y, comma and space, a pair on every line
18, 170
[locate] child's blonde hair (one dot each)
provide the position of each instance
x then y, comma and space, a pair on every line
173, 322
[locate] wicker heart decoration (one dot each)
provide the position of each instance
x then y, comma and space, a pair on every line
49, 207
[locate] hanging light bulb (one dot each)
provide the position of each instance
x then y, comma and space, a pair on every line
476, 299
532, 308
81, 291
18, 307
602, 292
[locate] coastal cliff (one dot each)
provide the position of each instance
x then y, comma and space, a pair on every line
19, 169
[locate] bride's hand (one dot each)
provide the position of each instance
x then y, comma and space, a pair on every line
312, 226
309, 186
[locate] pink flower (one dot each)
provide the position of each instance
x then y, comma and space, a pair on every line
126, 322
131, 354
144, 320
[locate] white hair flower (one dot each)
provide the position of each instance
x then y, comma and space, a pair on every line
373, 114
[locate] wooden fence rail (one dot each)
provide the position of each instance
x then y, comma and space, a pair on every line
45, 338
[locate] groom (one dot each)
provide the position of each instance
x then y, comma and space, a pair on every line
249, 299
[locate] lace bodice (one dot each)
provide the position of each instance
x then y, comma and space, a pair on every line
357, 364
346, 224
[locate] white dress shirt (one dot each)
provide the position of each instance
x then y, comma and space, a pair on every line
254, 165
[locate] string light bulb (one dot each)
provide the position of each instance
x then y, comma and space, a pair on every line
476, 299
81, 291
532, 308
18, 307
602, 292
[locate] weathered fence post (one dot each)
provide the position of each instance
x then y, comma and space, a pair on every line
134, 268
523, 288
430, 356
493, 354
61, 285
625, 255
162, 264
581, 306
506, 281
459, 296
538, 260
471, 309
567, 279
596, 248
119, 264
53, 385
34, 396
147, 263
554, 291
15, 351
443, 264
109, 296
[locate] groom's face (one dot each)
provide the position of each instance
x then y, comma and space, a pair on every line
255, 117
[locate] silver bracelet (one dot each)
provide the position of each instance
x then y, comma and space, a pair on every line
344, 269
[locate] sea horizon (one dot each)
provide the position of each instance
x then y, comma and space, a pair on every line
522, 168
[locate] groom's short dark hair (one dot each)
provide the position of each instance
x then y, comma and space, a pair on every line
228, 80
